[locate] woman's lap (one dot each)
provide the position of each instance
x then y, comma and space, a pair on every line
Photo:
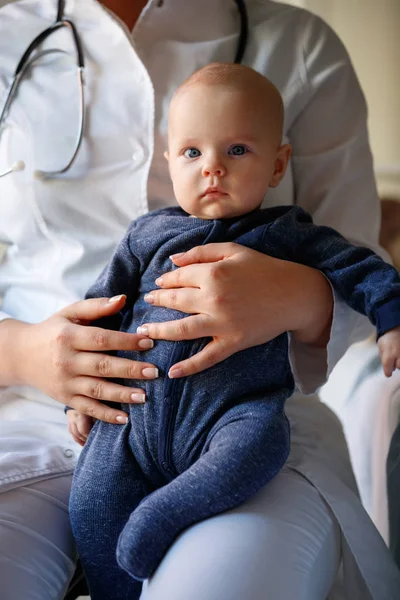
283, 543
37, 554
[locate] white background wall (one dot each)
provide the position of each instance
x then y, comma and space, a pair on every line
370, 29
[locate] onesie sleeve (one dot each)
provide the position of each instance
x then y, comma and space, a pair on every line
362, 279
120, 276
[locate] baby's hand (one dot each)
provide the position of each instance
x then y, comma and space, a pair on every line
79, 426
389, 350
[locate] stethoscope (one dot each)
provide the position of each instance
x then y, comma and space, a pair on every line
27, 60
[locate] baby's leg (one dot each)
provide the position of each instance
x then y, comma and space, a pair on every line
107, 487
245, 452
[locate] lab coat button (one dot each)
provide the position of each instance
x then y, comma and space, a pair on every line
137, 155
68, 453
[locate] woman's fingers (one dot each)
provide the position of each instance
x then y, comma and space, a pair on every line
101, 389
97, 410
188, 328
185, 300
104, 365
213, 353
76, 360
92, 309
185, 277
205, 254
96, 339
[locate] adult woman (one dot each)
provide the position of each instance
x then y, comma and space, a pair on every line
61, 230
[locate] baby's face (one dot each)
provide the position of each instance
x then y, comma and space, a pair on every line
222, 157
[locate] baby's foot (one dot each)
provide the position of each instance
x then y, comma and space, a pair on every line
144, 541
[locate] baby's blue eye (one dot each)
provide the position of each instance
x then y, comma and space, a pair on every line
237, 150
192, 153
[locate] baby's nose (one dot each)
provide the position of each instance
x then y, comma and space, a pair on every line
214, 168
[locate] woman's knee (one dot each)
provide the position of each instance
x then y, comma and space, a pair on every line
283, 543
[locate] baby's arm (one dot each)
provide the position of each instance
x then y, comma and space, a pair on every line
368, 284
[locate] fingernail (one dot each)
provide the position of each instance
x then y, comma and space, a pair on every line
149, 298
142, 330
150, 373
123, 420
140, 398
159, 281
146, 344
173, 373
115, 298
178, 255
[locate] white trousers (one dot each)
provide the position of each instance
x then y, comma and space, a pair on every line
37, 552
282, 544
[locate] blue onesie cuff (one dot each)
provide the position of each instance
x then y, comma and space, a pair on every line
387, 316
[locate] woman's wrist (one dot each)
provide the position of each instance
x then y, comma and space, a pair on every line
314, 306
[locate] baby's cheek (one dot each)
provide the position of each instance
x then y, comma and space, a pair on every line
186, 196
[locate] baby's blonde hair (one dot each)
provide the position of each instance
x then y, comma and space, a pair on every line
260, 90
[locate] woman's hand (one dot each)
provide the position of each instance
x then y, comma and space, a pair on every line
66, 358
79, 426
240, 298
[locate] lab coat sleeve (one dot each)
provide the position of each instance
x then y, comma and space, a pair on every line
120, 276
334, 179
3, 315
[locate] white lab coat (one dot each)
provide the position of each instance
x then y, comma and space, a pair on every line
368, 405
60, 232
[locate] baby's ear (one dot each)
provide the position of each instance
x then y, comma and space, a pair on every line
281, 163
166, 155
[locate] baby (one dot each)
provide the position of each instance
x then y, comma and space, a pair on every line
203, 444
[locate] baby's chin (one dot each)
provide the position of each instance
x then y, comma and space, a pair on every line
216, 211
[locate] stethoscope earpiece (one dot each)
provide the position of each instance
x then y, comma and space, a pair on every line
17, 166
40, 175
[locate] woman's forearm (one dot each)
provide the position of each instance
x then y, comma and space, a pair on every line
314, 310
11, 363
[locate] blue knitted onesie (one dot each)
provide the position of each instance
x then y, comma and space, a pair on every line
202, 444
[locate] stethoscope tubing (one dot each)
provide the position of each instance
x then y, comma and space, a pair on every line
26, 62
244, 31
44, 35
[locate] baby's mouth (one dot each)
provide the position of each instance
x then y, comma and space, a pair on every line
214, 192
